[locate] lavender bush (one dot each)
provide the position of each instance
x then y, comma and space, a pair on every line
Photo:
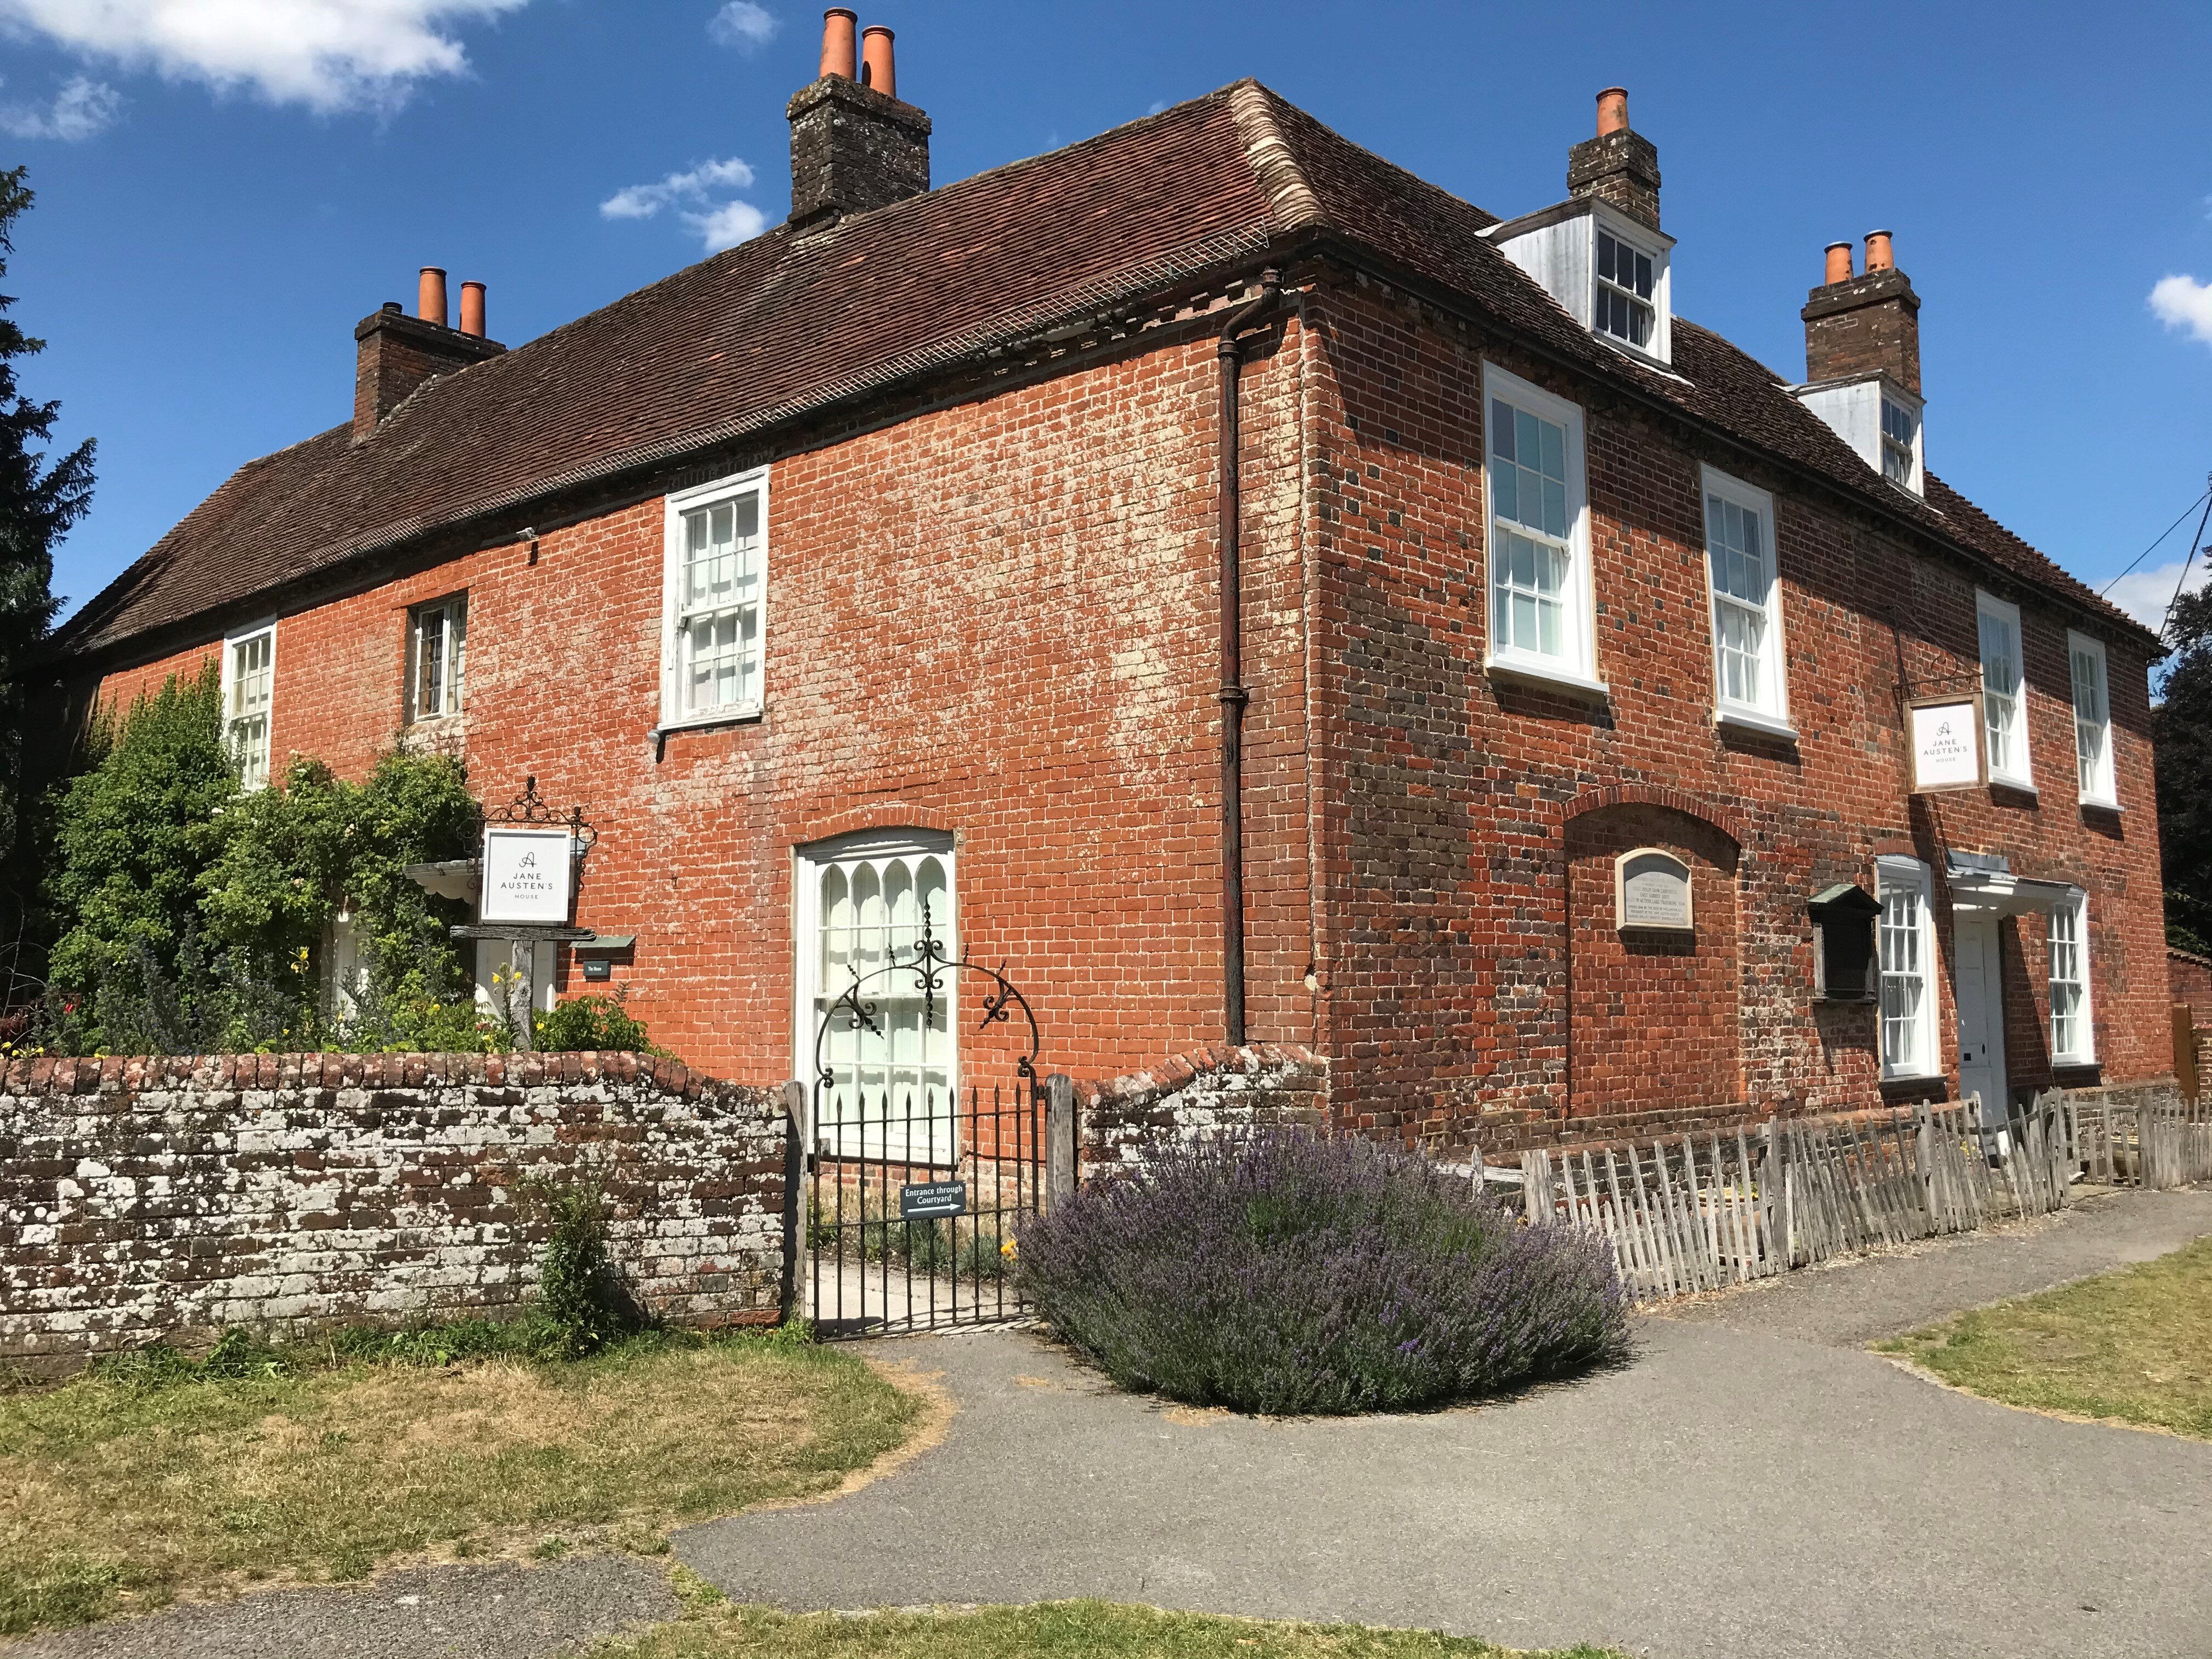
1284, 1271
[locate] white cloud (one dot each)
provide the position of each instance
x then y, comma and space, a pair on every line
82, 109
719, 224
326, 54
2184, 302
744, 25
727, 225
2145, 594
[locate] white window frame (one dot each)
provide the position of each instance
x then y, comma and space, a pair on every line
2097, 781
1770, 712
1897, 878
2020, 773
1576, 669
672, 711
2075, 907
1915, 473
1656, 304
253, 770
454, 670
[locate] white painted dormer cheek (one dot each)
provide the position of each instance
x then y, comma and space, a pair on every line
1892, 444
1621, 294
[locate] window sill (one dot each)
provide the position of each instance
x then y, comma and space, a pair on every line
2017, 785
1750, 719
2074, 1063
708, 722
2093, 804
1548, 676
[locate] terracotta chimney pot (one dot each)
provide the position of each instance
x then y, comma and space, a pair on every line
1879, 254
472, 309
837, 25
876, 68
430, 297
1612, 111
1840, 264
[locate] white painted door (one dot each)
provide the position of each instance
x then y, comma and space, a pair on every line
1980, 982
863, 905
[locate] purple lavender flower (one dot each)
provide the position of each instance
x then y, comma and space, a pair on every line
1280, 1270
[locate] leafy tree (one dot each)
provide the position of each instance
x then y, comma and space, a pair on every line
2181, 735
133, 834
38, 502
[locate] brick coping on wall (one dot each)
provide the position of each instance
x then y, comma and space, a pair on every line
1179, 1071
113, 1074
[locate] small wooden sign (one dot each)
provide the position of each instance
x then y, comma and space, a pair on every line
925, 1201
1947, 743
1651, 890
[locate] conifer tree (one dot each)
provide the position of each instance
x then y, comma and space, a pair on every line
39, 500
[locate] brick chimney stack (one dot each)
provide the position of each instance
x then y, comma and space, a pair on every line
1864, 323
395, 353
1619, 166
853, 144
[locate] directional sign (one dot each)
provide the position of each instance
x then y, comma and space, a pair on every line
925, 1200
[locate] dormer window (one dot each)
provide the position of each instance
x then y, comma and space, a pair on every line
1622, 305
1607, 271
1899, 427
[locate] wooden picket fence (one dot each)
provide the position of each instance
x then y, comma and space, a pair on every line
1706, 1211
2151, 1144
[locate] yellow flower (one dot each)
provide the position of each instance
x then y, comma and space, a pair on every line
1009, 1248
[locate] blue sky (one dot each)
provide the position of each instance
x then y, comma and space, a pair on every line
225, 189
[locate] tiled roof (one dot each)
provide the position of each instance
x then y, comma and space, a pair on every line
782, 325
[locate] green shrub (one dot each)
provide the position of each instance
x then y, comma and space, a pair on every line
588, 1023
580, 1297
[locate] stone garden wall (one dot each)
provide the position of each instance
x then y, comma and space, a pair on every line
171, 1197
1219, 1088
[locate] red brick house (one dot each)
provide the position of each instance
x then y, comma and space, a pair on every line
881, 558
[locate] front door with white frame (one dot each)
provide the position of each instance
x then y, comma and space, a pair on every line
1980, 982
859, 909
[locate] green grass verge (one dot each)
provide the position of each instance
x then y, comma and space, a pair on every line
2134, 1347
142, 1482
713, 1629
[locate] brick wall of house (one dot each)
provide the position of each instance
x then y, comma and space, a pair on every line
1458, 810
998, 618
2191, 978
169, 1199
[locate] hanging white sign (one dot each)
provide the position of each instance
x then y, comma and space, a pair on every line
1946, 743
526, 875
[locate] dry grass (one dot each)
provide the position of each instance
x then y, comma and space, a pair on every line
117, 1495
713, 1629
2130, 1346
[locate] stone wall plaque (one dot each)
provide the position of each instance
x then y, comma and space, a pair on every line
1651, 890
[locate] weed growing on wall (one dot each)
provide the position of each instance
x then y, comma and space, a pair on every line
1284, 1271
580, 1297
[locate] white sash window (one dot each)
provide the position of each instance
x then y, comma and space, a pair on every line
1539, 577
716, 577
1906, 947
2004, 692
249, 684
2072, 1041
2092, 720
1750, 685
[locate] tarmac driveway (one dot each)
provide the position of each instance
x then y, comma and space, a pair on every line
1755, 1485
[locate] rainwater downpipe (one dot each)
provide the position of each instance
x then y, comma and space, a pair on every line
1234, 697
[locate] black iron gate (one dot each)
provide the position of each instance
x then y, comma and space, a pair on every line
916, 1187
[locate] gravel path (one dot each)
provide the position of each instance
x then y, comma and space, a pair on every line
1755, 1485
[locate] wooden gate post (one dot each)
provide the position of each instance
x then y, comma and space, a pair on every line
797, 1143
2184, 1052
1059, 1138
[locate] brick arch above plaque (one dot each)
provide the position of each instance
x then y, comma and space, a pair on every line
1651, 890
